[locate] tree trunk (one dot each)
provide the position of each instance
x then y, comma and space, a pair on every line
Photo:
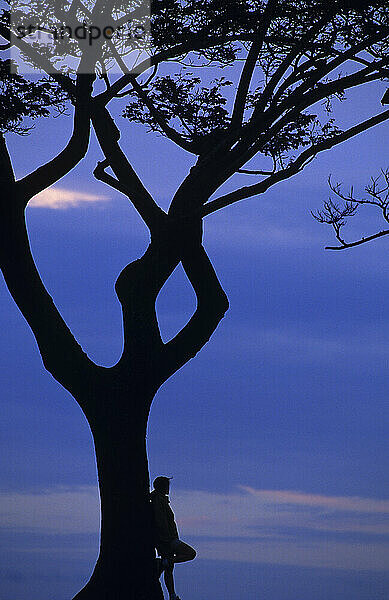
125, 568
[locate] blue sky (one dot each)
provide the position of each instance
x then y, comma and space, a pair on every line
276, 433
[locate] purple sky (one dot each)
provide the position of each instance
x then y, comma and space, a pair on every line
276, 433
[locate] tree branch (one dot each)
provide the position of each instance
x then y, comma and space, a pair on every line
138, 286
7, 176
244, 86
212, 304
40, 61
283, 67
129, 182
334, 215
170, 132
301, 98
197, 42
105, 177
294, 167
252, 141
286, 63
250, 172
326, 68
346, 245
249, 66
75, 150
61, 354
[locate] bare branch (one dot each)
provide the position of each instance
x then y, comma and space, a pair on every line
150, 77
244, 85
326, 68
249, 66
345, 245
103, 176
212, 304
334, 215
130, 184
249, 172
61, 354
271, 121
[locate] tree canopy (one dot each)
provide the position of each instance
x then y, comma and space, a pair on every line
229, 82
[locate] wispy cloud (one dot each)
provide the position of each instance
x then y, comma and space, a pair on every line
61, 510
251, 525
342, 503
59, 199
257, 512
287, 527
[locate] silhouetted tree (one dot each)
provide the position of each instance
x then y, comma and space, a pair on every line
289, 62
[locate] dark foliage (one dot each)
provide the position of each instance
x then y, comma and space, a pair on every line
196, 110
20, 98
307, 50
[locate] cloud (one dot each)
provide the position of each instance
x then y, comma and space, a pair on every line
270, 512
58, 511
249, 525
343, 503
286, 527
59, 199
